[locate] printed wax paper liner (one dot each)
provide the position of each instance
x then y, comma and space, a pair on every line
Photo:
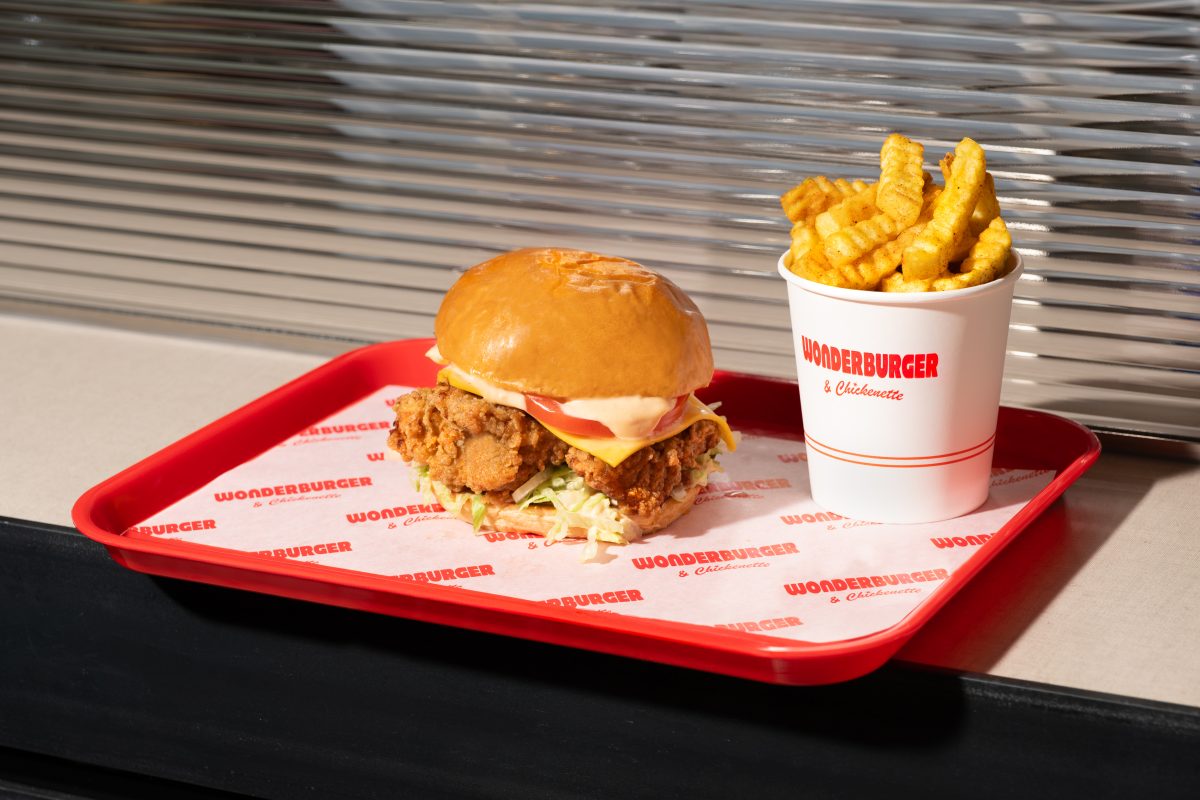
755, 554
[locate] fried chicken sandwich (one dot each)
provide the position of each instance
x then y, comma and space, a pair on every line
564, 404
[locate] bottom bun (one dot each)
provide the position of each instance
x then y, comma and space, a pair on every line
539, 519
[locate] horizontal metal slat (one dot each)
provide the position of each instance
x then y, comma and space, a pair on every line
665, 80
497, 98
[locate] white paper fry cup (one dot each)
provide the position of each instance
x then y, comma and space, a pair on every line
900, 394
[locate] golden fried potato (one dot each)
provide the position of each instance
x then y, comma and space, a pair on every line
929, 254
850, 211
987, 260
901, 180
986, 209
812, 265
858, 235
814, 195
896, 283
884, 260
862, 273
804, 235
852, 243
946, 164
849, 244
962, 248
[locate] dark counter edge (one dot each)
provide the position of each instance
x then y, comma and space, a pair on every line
108, 673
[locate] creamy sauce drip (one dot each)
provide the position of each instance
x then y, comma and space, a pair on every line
628, 417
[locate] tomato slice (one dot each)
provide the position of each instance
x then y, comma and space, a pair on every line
549, 411
672, 416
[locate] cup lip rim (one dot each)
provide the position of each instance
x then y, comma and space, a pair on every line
902, 298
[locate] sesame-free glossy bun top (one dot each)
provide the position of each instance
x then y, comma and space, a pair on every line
571, 324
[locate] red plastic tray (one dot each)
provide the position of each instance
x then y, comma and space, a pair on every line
1025, 439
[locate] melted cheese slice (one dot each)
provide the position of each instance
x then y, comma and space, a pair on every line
613, 451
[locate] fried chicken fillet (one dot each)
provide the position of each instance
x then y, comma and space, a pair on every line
473, 445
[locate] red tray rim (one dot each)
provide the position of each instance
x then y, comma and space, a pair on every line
751, 655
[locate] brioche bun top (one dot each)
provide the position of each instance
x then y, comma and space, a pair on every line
573, 324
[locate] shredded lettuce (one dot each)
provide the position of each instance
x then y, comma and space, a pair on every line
558, 485
434, 492
577, 504
706, 465
529, 486
478, 511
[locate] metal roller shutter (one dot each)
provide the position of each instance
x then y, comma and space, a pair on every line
320, 169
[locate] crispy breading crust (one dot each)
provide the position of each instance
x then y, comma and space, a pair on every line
642, 483
470, 444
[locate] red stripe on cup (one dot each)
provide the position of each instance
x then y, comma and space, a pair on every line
970, 449
982, 448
